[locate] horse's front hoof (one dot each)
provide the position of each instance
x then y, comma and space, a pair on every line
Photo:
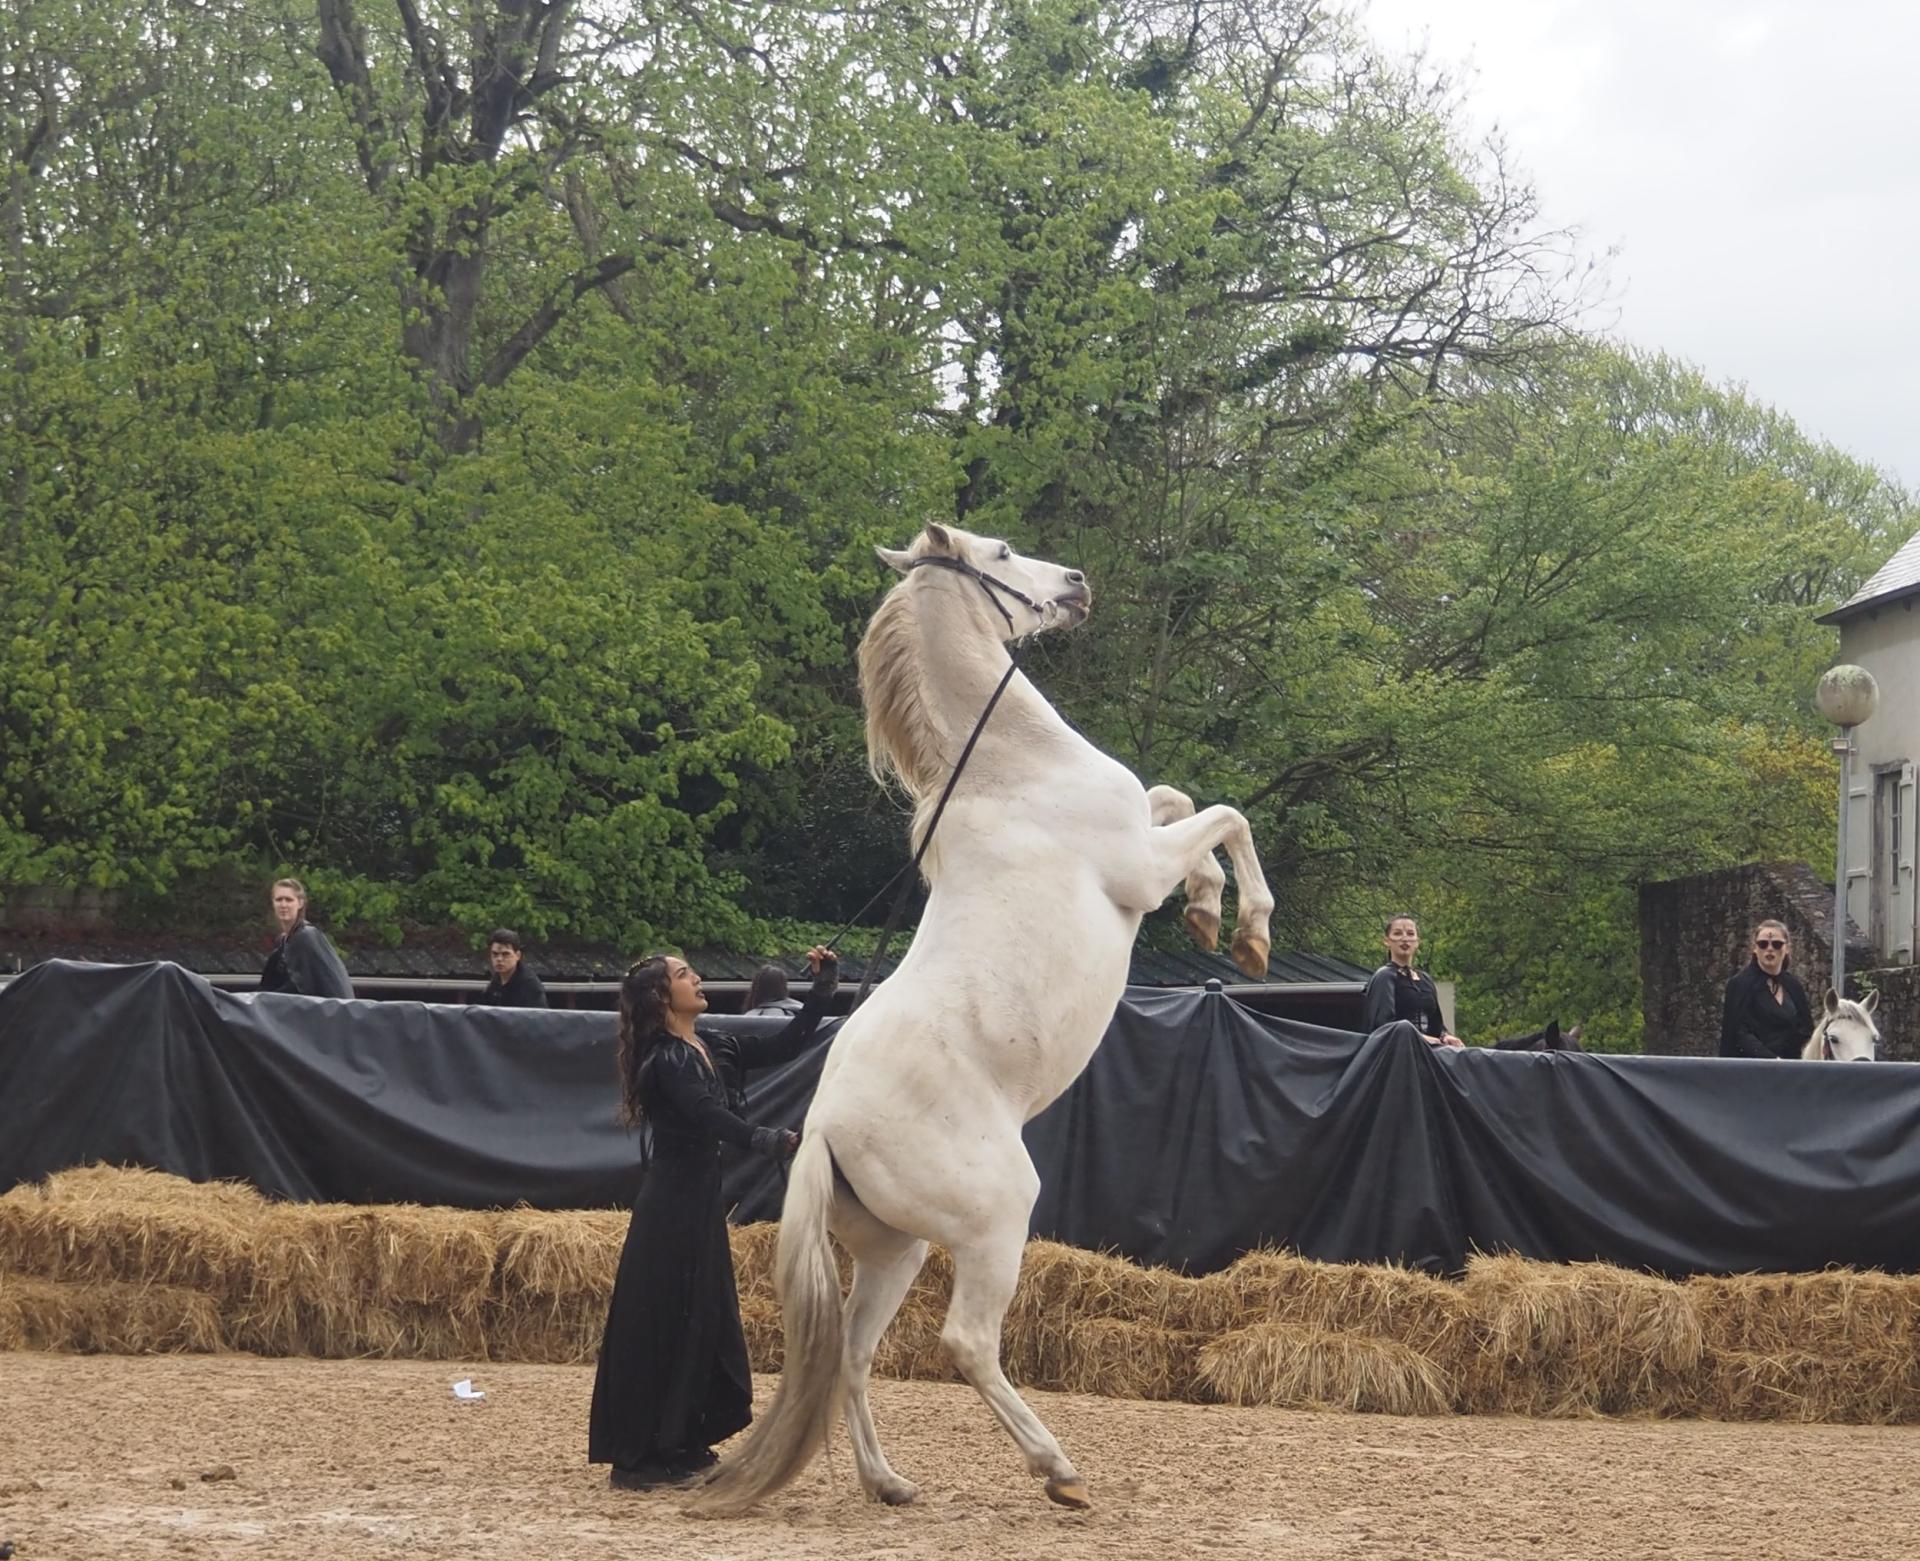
1205, 927
1250, 954
896, 1492
1070, 1493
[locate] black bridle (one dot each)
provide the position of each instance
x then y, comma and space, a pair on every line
908, 875
990, 584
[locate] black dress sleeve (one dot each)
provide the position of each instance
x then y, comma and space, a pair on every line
769, 1051
1377, 1006
1736, 1023
692, 1089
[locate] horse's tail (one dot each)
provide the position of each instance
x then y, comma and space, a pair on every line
812, 1379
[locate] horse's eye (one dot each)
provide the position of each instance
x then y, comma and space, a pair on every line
1006, 553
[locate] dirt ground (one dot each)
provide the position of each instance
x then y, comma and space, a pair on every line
102, 1458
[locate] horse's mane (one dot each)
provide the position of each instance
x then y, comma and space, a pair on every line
903, 740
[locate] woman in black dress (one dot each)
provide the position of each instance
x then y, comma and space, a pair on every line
1767, 1012
1398, 991
673, 1376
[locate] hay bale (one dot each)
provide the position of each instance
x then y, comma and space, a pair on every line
1377, 1301
1857, 1390
434, 1257
1841, 1311
107, 1318
557, 1256
1288, 1366
1061, 1286
754, 1247
110, 1224
1119, 1359
766, 1337
133, 1184
1571, 1339
560, 1331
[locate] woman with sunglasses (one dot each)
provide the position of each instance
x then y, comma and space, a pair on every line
1767, 1013
673, 1376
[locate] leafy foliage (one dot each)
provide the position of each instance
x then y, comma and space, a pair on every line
445, 440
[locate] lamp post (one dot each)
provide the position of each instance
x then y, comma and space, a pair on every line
1847, 695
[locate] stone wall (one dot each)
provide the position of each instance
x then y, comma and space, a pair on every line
1898, 1013
1695, 933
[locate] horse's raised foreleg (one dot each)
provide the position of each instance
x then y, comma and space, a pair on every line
985, 1272
1205, 879
1178, 846
885, 1262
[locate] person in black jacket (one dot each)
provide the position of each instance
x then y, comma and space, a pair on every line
302, 961
514, 985
673, 1377
767, 996
1767, 1013
1398, 991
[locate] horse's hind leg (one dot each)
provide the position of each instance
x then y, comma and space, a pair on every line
984, 1275
885, 1262
1206, 881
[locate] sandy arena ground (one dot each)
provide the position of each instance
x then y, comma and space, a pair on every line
101, 1459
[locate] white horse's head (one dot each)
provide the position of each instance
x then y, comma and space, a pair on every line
1031, 593
1846, 1032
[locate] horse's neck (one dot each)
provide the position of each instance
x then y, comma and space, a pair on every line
962, 660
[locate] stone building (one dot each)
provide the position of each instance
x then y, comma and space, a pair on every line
1880, 630
1694, 934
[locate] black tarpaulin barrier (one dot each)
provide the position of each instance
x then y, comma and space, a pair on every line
1200, 1129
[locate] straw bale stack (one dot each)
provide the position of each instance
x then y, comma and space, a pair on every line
126, 1260
1570, 1339
1293, 1367
106, 1318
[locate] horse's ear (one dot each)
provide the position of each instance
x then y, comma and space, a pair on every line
938, 535
1832, 1004
1870, 1002
894, 558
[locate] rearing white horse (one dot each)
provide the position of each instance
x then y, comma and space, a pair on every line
1046, 858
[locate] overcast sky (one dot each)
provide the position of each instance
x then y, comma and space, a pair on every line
1755, 165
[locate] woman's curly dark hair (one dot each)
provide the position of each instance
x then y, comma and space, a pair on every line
644, 997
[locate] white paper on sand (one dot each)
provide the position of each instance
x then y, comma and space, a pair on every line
464, 1388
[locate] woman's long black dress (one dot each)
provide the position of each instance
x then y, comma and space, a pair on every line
673, 1376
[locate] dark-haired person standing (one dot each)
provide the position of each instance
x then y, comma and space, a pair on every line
514, 985
673, 1376
1766, 1013
1398, 991
767, 996
302, 961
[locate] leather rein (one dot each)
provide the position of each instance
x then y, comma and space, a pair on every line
908, 875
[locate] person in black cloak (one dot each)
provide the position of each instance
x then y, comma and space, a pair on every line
1398, 991
302, 961
1767, 1012
673, 1377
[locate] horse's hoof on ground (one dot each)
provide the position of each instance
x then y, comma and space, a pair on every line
1069, 1493
1205, 927
896, 1492
1250, 954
